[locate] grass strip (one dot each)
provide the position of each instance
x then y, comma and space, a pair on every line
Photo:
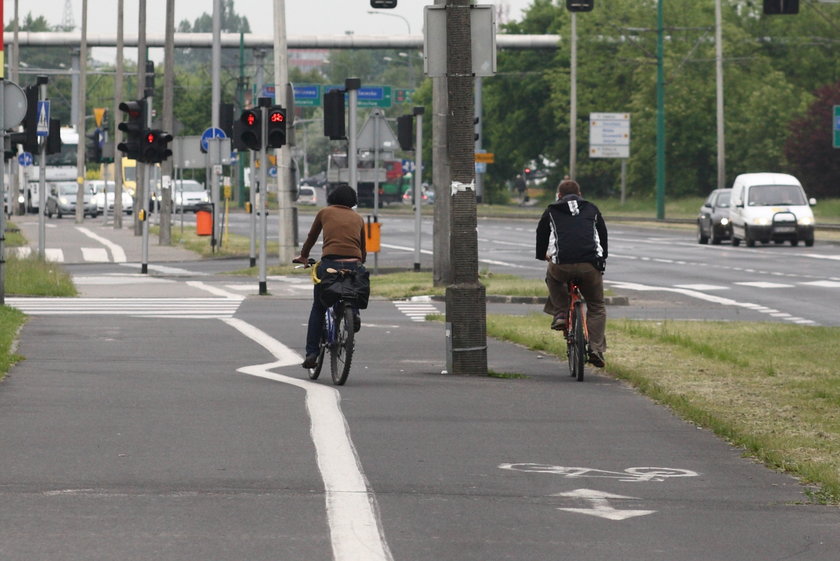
31, 276
11, 321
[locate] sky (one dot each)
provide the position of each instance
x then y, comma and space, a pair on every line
303, 17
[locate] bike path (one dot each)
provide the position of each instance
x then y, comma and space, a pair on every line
130, 437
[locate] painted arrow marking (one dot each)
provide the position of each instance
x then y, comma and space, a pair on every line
600, 506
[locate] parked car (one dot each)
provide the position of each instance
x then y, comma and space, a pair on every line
769, 207
713, 221
307, 195
98, 188
188, 194
61, 200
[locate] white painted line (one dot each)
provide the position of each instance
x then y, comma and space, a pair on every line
95, 255
823, 283
761, 284
52, 254
702, 286
215, 290
600, 506
352, 512
116, 250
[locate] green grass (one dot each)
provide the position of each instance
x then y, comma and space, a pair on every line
770, 388
33, 277
11, 321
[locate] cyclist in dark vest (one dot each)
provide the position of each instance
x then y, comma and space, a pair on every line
572, 237
343, 248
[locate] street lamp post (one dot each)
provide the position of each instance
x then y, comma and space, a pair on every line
393, 16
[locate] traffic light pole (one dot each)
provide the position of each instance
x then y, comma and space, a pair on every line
144, 266
418, 182
264, 103
42, 180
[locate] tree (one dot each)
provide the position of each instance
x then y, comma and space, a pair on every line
809, 148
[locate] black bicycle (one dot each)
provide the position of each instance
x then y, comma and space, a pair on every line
337, 337
576, 332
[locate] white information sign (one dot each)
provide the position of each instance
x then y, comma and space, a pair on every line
609, 135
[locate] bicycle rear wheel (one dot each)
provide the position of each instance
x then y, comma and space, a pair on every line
576, 345
341, 352
315, 372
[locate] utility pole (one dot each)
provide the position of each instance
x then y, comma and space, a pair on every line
118, 94
721, 147
141, 195
660, 113
441, 271
165, 237
465, 296
285, 205
80, 126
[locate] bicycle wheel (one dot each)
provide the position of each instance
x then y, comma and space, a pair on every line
577, 346
341, 352
315, 372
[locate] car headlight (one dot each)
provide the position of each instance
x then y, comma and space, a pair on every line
724, 221
761, 221
806, 221
62, 200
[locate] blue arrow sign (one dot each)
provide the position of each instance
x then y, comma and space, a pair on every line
25, 159
211, 133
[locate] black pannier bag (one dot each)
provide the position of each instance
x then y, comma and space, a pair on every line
351, 286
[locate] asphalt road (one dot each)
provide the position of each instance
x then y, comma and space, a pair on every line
164, 416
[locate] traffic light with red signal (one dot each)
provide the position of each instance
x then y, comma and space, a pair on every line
275, 135
155, 146
247, 131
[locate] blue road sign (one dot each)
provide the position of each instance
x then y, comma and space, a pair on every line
211, 133
43, 113
407, 166
272, 171
25, 159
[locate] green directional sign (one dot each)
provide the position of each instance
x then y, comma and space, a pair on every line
836, 122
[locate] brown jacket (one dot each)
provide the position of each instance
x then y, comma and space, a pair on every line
344, 233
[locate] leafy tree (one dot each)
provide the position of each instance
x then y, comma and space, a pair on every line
809, 148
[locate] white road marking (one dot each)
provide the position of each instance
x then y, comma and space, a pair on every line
173, 308
95, 254
600, 506
116, 250
52, 254
702, 286
352, 512
416, 311
823, 283
762, 284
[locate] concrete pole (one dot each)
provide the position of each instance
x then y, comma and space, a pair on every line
165, 237
442, 273
418, 182
573, 101
721, 145
285, 214
80, 123
118, 94
141, 195
213, 143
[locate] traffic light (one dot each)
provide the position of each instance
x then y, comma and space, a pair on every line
405, 131
133, 127
247, 131
275, 135
29, 137
334, 115
582, 5
54, 138
94, 147
155, 149
774, 7
383, 4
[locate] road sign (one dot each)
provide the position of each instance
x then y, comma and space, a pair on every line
407, 166
387, 138
25, 159
307, 95
369, 96
43, 128
14, 104
609, 135
837, 126
210, 133
485, 157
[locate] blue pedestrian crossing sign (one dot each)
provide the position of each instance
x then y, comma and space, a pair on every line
43, 128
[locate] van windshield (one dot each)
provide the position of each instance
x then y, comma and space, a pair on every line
771, 195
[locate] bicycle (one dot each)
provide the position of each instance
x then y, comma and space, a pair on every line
337, 337
576, 332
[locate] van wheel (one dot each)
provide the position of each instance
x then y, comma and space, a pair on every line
794, 243
735, 241
748, 239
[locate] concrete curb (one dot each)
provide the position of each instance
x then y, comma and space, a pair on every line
502, 299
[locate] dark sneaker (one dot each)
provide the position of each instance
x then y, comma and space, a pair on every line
559, 322
596, 360
357, 322
311, 361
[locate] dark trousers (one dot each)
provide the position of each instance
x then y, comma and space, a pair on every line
316, 314
591, 287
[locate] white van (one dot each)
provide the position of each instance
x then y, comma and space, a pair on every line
769, 207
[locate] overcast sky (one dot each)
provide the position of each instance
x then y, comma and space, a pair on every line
303, 17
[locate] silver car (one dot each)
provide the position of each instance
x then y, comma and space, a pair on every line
61, 200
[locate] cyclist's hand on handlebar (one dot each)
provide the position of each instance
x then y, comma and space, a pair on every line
306, 263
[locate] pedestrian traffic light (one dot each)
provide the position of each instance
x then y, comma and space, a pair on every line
386, 4
94, 147
580, 5
29, 137
54, 138
155, 149
405, 131
774, 7
334, 115
275, 135
133, 127
248, 130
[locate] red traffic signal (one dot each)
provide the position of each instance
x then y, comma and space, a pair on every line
247, 132
276, 127
155, 149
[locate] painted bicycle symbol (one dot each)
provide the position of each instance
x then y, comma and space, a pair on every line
633, 474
